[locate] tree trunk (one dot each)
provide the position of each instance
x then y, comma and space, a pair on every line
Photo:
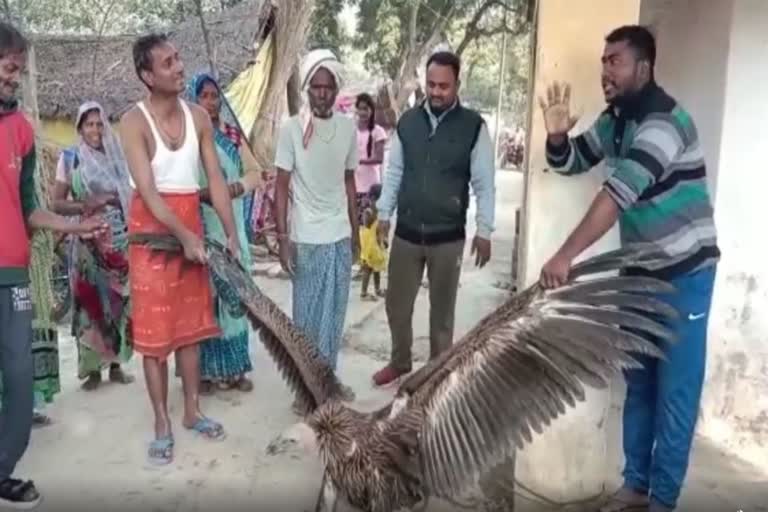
206, 39
406, 81
29, 88
99, 35
293, 92
292, 22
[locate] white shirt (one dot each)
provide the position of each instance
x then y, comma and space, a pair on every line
319, 213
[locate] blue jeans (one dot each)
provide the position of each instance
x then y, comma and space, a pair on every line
662, 402
17, 374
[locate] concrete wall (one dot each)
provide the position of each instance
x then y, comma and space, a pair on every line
579, 452
711, 59
735, 411
692, 61
712, 56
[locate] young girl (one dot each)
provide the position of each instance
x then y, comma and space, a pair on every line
373, 257
371, 139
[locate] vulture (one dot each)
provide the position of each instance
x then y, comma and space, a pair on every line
463, 412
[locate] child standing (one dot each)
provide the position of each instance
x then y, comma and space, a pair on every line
373, 254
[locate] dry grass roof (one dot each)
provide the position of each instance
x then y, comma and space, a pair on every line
65, 64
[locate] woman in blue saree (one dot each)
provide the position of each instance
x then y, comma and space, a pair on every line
225, 361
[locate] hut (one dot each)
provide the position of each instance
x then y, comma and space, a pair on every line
75, 69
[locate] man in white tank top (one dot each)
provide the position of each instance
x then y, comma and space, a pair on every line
165, 140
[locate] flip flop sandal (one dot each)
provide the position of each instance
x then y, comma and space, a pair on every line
41, 420
119, 377
209, 429
160, 451
245, 385
92, 382
19, 494
224, 385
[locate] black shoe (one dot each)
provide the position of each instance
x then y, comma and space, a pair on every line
19, 494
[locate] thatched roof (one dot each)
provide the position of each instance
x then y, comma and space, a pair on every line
65, 63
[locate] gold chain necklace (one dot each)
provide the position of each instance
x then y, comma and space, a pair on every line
173, 142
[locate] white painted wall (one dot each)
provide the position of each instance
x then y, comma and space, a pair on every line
735, 411
710, 59
692, 40
579, 453
713, 57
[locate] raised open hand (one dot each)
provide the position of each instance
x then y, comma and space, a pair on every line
556, 109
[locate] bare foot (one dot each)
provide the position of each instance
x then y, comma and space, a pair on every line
163, 428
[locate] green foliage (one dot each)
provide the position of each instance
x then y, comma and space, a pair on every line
326, 31
480, 74
383, 30
104, 16
473, 28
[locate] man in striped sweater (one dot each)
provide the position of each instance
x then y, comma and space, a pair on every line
657, 191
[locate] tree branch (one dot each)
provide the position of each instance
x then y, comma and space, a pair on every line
473, 31
7, 11
99, 35
293, 92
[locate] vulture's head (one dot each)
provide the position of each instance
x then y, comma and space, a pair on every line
299, 439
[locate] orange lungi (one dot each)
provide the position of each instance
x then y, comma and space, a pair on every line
171, 301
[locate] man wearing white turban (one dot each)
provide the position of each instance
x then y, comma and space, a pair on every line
316, 159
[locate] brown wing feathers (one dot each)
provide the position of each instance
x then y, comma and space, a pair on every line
510, 379
299, 362
507, 379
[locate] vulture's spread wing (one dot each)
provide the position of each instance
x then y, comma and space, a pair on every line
299, 361
522, 365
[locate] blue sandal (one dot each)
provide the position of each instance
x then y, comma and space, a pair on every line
210, 429
161, 450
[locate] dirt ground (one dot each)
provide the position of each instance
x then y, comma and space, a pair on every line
93, 456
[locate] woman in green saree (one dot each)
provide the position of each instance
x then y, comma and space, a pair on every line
225, 361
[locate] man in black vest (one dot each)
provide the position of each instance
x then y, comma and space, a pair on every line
439, 149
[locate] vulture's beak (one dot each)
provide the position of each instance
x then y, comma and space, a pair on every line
298, 440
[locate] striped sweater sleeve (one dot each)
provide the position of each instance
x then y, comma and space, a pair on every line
579, 154
657, 143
